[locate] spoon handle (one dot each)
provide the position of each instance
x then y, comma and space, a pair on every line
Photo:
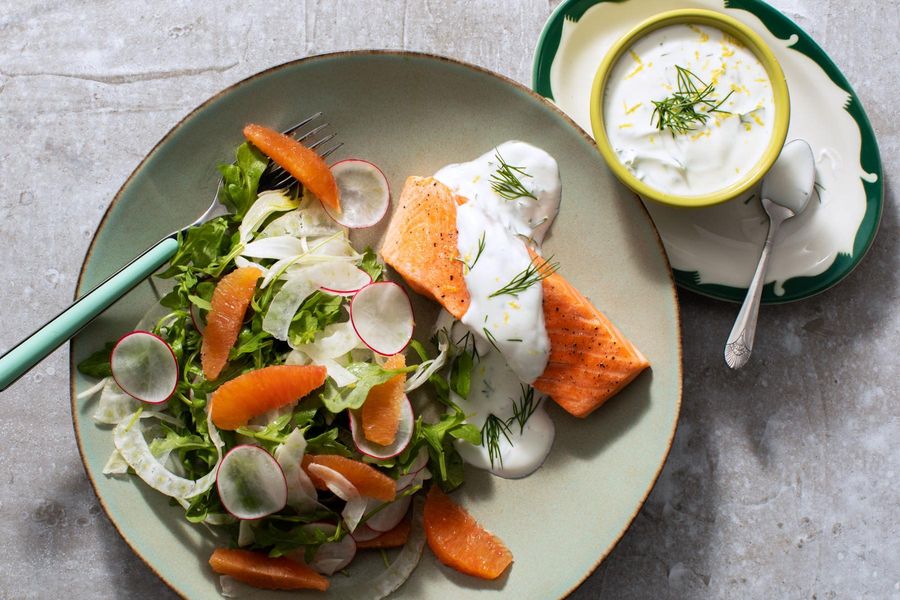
740, 341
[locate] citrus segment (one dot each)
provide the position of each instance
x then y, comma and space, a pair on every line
265, 572
458, 541
255, 392
367, 480
304, 164
381, 412
223, 323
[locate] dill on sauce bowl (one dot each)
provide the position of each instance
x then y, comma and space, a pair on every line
690, 108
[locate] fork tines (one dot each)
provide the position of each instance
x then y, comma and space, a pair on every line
314, 139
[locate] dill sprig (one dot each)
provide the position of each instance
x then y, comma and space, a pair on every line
505, 180
481, 245
490, 337
465, 341
678, 112
531, 275
493, 428
524, 407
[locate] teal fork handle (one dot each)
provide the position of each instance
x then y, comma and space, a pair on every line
48, 338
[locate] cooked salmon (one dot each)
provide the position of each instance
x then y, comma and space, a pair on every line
590, 360
421, 244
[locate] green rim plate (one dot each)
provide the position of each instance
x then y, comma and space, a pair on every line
795, 288
410, 114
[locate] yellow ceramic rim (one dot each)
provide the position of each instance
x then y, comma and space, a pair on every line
746, 36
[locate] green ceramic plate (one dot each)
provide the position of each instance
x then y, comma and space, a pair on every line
412, 113
714, 250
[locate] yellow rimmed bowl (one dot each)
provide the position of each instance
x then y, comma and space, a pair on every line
740, 32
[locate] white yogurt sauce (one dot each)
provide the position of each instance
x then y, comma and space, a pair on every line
494, 389
492, 234
714, 154
523, 216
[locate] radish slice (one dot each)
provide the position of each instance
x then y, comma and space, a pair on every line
420, 462
331, 556
251, 483
343, 489
388, 517
145, 367
364, 533
382, 316
404, 434
365, 193
412, 478
343, 278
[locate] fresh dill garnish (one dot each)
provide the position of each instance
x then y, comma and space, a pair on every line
493, 428
465, 341
469, 267
505, 180
678, 113
532, 274
490, 337
524, 407
464, 344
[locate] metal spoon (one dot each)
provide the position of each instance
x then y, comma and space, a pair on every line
786, 191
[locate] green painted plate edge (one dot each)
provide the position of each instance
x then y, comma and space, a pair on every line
796, 288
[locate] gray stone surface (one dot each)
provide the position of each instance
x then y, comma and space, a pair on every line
783, 480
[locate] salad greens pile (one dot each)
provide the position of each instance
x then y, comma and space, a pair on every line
179, 434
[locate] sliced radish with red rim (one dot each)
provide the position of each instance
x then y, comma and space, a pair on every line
401, 441
145, 367
341, 487
330, 556
364, 533
390, 516
365, 193
343, 278
382, 316
251, 483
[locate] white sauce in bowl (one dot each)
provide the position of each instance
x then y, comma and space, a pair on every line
714, 154
492, 234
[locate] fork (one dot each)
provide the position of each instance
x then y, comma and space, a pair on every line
34, 348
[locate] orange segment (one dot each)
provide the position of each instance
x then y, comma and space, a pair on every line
223, 323
368, 481
255, 392
264, 572
394, 538
304, 164
458, 541
381, 412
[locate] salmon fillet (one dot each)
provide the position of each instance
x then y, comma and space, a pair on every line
590, 360
421, 244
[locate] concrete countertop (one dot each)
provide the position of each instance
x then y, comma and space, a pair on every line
783, 480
